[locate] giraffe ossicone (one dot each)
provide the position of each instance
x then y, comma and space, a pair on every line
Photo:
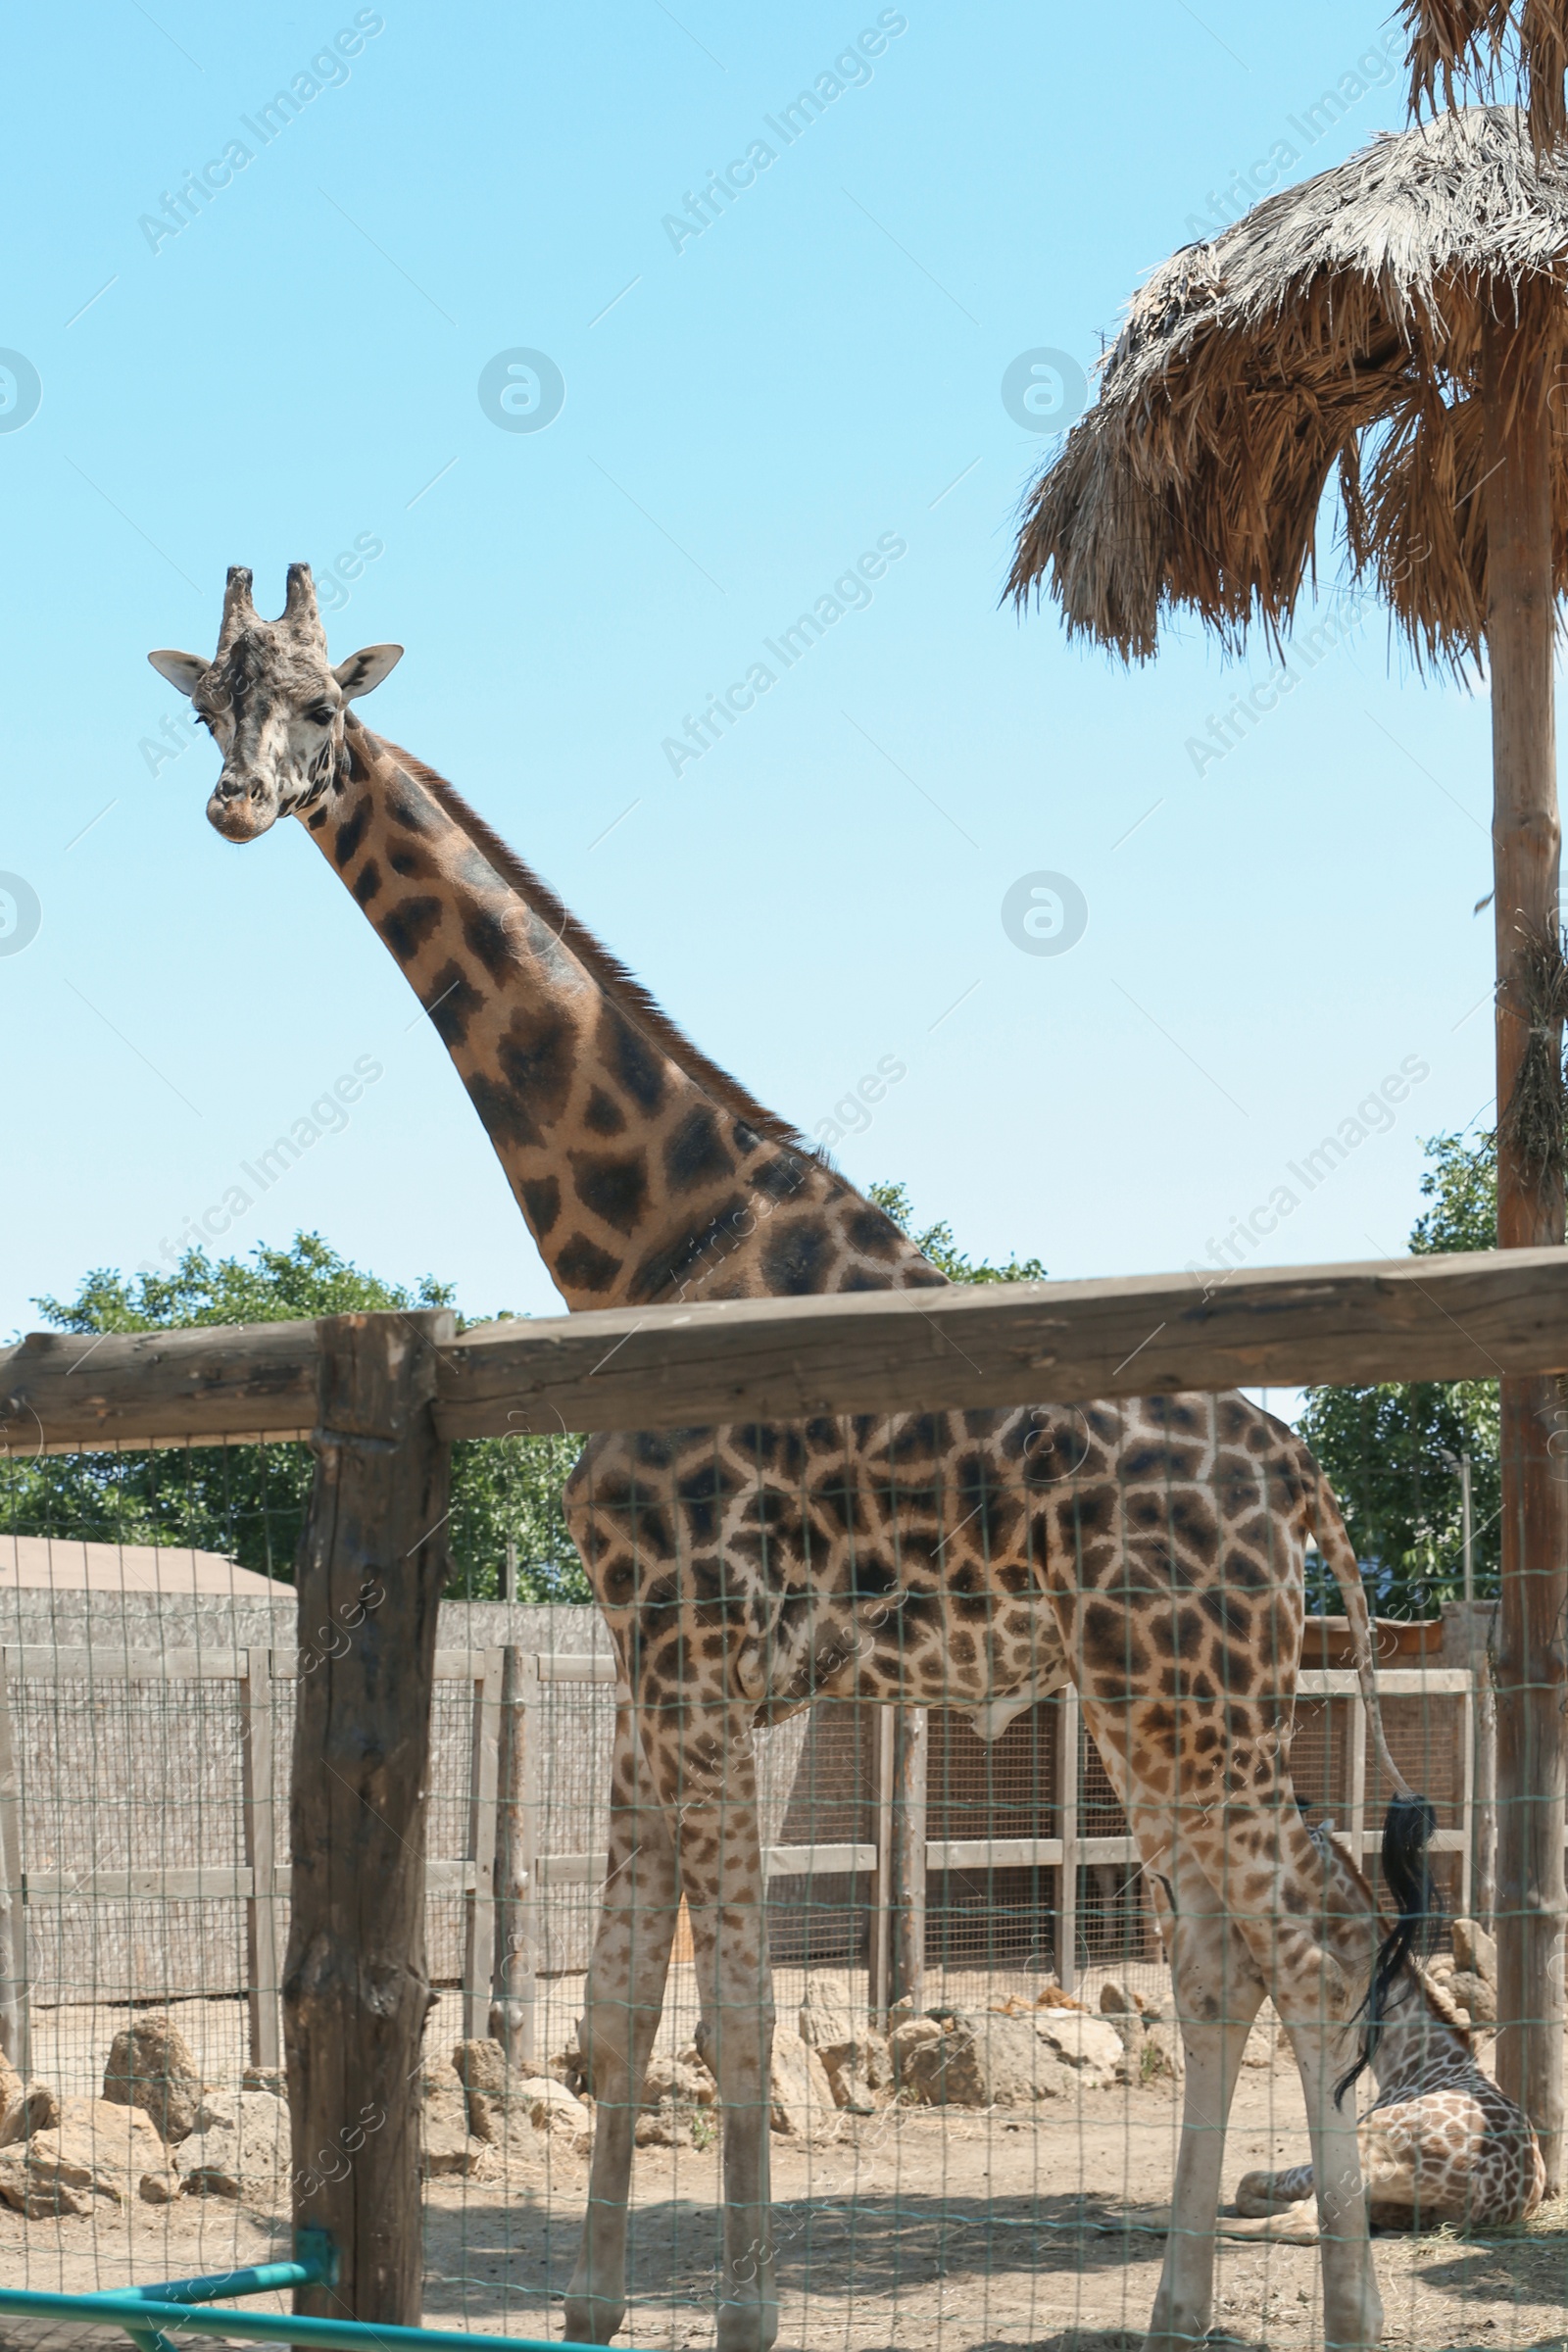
1149, 1551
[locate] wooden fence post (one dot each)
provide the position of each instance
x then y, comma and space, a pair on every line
513, 2011
880, 1970
260, 1854
907, 1940
1468, 1800
479, 1903
355, 1986
16, 2035
1068, 1761
1519, 463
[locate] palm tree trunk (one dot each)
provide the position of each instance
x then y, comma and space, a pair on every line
1516, 370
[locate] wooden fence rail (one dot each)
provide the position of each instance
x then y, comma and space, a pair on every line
659, 1367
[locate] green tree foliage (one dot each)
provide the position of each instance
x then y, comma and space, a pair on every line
936, 1243
1391, 1450
279, 1285
250, 1500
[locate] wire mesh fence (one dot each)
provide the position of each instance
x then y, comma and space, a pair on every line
976, 2097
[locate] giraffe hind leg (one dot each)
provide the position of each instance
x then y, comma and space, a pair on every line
1263, 1860
721, 1871
625, 1998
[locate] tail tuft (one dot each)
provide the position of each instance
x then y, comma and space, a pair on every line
1406, 1834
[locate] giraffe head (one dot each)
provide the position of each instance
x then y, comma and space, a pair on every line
275, 702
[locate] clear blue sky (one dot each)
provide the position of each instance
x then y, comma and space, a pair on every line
297, 371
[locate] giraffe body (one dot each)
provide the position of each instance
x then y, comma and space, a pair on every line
1149, 1550
1440, 2142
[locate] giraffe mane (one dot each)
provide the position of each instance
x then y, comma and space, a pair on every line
1443, 2007
618, 983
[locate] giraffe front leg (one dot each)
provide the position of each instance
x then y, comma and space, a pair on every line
1389, 2170
1259, 2195
1218, 1993
625, 1997
721, 1869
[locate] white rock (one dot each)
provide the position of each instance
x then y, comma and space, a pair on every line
1475, 1952
666, 2126
99, 2148
546, 2099
803, 2103
557, 2112
242, 2151
1266, 2039
150, 2066
911, 2034
1090, 2045
984, 2059
1476, 1993
445, 2143
682, 2082
481, 2066
853, 2091
1162, 2056
824, 2023
855, 2057
24, 2108
35, 2199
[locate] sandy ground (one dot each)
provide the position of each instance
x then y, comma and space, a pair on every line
912, 2228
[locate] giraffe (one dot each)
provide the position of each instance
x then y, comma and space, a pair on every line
1150, 1551
1442, 2142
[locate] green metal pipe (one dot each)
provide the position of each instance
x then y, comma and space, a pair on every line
260, 2278
130, 2311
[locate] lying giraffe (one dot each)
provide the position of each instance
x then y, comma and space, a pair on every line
1150, 1551
1442, 2142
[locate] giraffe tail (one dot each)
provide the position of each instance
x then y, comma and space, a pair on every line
1323, 1516
1410, 1820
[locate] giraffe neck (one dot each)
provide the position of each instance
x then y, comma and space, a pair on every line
644, 1173
1418, 2044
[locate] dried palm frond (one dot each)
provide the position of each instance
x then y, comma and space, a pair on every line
1334, 332
1478, 45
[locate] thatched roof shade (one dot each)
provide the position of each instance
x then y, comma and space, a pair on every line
1475, 44
1338, 326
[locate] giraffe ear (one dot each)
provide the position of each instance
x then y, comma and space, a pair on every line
367, 668
181, 669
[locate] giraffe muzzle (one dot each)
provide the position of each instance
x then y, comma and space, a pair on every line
242, 808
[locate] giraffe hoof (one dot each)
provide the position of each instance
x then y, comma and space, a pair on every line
593, 2319
747, 2326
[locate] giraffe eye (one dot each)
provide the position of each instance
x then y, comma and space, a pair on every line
320, 715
